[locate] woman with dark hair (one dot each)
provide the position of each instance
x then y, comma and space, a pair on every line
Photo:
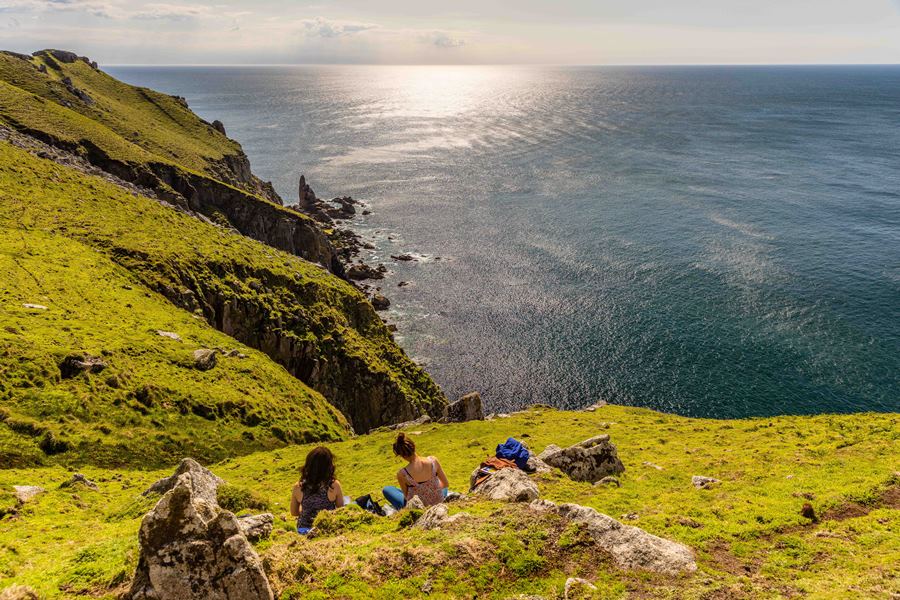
317, 489
422, 477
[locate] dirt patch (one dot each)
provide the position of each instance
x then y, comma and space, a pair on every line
724, 560
889, 498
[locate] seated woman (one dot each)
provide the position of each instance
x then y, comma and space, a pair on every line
317, 489
422, 477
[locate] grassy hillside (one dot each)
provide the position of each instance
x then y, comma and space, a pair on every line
750, 539
128, 122
97, 257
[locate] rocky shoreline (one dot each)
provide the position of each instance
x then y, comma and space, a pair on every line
334, 217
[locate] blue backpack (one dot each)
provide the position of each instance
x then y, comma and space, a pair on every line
512, 449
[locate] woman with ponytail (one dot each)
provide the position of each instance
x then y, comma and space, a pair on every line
422, 477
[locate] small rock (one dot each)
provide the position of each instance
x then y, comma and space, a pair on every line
630, 517
403, 257
19, 592
367, 212
35, 306
24, 493
205, 359
689, 522
81, 480
609, 480
368, 245
403, 284
380, 302
652, 466
74, 364
256, 527
701, 482
361, 271
578, 589
169, 334
415, 503
455, 497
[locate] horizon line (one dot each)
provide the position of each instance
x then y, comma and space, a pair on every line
363, 64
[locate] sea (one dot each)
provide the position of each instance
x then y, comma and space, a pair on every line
708, 241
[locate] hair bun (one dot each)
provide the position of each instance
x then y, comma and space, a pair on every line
404, 446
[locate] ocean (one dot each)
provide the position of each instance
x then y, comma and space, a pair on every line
708, 241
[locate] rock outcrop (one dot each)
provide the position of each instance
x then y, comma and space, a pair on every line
507, 485
630, 547
191, 549
438, 516
467, 408
256, 527
590, 460
204, 484
702, 482
76, 364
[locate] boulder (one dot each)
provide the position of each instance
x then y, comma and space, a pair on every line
219, 126
509, 485
205, 359
205, 484
19, 592
256, 527
590, 460
24, 493
536, 465
467, 408
437, 516
360, 271
701, 482
190, 549
80, 480
578, 589
380, 302
630, 547
74, 364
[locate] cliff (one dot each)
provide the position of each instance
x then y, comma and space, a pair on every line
150, 201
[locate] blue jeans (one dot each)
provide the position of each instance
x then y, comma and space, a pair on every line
394, 495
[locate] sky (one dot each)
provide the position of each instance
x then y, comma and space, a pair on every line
459, 31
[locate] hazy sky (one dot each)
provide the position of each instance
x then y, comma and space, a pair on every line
459, 31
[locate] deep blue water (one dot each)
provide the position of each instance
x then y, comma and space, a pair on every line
716, 241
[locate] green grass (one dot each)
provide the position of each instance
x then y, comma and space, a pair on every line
750, 539
100, 258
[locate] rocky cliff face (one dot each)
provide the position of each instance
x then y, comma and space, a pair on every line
316, 349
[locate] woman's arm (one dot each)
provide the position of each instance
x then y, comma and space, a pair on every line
440, 473
401, 481
338, 493
296, 499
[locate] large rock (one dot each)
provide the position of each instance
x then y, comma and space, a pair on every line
205, 359
630, 547
437, 516
256, 527
203, 482
467, 408
190, 549
509, 485
590, 460
75, 364
19, 592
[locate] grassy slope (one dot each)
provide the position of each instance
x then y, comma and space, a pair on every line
47, 205
142, 408
751, 541
157, 124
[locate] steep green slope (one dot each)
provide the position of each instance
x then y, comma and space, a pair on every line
325, 330
320, 329
750, 539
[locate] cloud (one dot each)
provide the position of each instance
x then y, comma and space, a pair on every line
442, 39
171, 12
326, 28
97, 8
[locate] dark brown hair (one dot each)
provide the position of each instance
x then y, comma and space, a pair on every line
404, 446
318, 471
